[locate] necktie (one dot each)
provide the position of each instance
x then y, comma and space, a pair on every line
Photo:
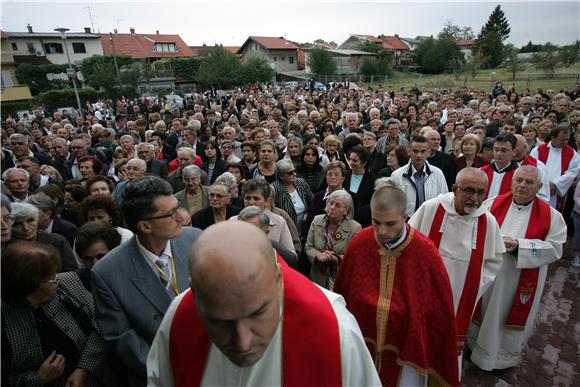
163, 264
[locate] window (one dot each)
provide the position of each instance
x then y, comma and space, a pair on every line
14, 46
290, 59
79, 48
165, 47
274, 58
30, 47
53, 48
283, 58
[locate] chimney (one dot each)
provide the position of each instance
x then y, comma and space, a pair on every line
157, 32
396, 36
132, 30
203, 44
115, 31
29, 28
87, 30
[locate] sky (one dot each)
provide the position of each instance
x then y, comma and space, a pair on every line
231, 22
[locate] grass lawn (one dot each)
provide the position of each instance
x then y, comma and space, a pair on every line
529, 76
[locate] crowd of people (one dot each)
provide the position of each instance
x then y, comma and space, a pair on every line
150, 243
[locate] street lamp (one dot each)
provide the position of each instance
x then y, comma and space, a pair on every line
70, 70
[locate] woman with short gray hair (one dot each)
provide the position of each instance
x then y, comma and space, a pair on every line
329, 236
292, 193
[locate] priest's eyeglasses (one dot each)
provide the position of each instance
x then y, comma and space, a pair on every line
470, 191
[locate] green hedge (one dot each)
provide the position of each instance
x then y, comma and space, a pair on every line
53, 99
11, 107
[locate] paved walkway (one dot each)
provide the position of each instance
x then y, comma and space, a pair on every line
552, 356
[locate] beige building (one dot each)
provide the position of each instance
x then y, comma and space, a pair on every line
10, 90
279, 52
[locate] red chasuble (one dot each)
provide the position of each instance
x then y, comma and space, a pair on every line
567, 155
310, 337
506, 181
403, 303
472, 279
538, 228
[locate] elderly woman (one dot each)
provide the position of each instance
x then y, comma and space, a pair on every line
292, 193
376, 158
25, 228
50, 336
194, 196
228, 178
332, 149
219, 209
266, 167
94, 240
397, 156
360, 178
470, 144
7, 220
99, 185
102, 208
310, 168
89, 166
329, 236
52, 173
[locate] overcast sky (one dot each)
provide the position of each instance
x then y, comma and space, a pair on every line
231, 22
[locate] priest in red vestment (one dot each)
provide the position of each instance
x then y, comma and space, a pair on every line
501, 169
394, 282
251, 320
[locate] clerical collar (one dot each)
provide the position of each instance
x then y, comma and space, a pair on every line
507, 168
400, 240
520, 207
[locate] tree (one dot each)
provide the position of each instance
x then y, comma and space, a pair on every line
548, 59
368, 46
531, 47
497, 22
220, 68
454, 32
473, 65
256, 70
99, 71
569, 54
513, 63
184, 68
35, 77
378, 65
490, 48
435, 56
320, 62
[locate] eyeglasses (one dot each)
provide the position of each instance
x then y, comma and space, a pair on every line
290, 173
470, 191
216, 195
9, 219
168, 215
504, 113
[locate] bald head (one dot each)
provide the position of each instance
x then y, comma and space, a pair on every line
470, 189
470, 173
237, 286
521, 147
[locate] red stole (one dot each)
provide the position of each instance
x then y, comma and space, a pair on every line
529, 160
506, 182
310, 337
567, 155
538, 228
403, 303
472, 279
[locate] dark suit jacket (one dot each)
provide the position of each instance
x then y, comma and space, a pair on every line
204, 218
130, 300
220, 167
446, 164
157, 168
69, 262
65, 228
366, 187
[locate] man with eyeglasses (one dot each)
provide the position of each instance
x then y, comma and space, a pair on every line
134, 284
469, 241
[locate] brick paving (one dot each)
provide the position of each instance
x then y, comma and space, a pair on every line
552, 354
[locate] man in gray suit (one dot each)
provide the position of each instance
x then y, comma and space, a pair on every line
134, 284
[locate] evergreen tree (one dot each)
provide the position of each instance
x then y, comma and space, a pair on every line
320, 62
498, 23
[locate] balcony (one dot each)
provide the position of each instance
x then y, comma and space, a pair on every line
15, 93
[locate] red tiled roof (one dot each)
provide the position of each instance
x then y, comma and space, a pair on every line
393, 43
270, 43
232, 49
465, 42
372, 38
141, 45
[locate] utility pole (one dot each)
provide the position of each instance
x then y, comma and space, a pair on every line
70, 70
115, 60
91, 17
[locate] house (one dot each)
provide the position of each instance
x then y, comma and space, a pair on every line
10, 90
48, 47
355, 41
146, 47
466, 46
347, 61
279, 52
400, 51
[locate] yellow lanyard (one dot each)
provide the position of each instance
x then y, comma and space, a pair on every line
167, 279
